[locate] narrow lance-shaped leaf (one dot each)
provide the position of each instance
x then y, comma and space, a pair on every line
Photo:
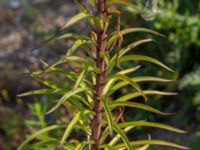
127, 3
146, 92
76, 45
149, 124
81, 77
139, 106
66, 96
145, 147
66, 36
129, 47
61, 61
131, 82
41, 91
117, 137
70, 127
143, 58
108, 113
138, 79
112, 81
75, 19
133, 45
123, 137
113, 36
152, 142
46, 82
38, 133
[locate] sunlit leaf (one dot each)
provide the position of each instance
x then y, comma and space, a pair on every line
38, 133
112, 81
149, 124
113, 36
143, 58
41, 91
108, 113
127, 3
117, 137
146, 92
77, 44
70, 127
81, 77
131, 82
123, 137
152, 142
66, 96
139, 106
75, 19
139, 79
66, 36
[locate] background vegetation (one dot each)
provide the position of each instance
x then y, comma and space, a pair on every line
24, 26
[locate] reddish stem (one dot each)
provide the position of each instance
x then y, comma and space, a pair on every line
100, 78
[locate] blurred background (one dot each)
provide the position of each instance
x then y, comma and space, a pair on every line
26, 24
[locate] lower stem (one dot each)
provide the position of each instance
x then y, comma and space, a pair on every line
100, 77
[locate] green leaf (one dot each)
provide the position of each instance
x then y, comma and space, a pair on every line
70, 127
139, 106
152, 142
46, 82
127, 3
108, 113
133, 45
123, 137
75, 19
92, 2
81, 77
41, 91
38, 133
146, 92
77, 44
131, 82
117, 137
149, 124
61, 61
144, 58
113, 36
145, 147
66, 36
137, 79
67, 96
130, 30
112, 81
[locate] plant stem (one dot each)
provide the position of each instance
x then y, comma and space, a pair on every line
100, 78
